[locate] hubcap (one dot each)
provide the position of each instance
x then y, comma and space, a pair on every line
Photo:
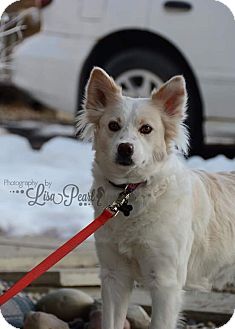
138, 83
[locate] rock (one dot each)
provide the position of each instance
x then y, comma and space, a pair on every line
138, 318
127, 325
15, 310
96, 319
39, 320
66, 304
97, 306
77, 324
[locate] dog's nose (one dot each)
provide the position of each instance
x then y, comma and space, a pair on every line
125, 149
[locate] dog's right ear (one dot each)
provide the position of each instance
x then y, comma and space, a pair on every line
101, 92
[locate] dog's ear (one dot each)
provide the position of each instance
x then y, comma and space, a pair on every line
172, 97
101, 91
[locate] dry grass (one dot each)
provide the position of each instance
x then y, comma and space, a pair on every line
16, 105
20, 112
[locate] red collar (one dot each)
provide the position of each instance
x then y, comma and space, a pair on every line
129, 187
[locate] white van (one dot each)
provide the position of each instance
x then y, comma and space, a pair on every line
141, 43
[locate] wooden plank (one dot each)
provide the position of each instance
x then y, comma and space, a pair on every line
49, 279
26, 263
212, 302
81, 278
23, 254
60, 278
205, 302
40, 242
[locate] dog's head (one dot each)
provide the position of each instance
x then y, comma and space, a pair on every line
132, 137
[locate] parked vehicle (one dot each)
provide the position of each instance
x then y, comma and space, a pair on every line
141, 43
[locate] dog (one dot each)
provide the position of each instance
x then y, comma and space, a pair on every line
181, 231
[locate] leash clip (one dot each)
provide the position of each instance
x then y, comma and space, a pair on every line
121, 204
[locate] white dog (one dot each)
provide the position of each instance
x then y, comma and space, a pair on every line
181, 232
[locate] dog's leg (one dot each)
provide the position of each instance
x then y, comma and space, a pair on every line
116, 289
166, 306
116, 286
164, 279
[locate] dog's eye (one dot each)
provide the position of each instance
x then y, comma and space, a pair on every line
114, 126
145, 129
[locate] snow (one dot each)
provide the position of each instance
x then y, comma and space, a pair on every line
219, 163
56, 129
43, 129
60, 162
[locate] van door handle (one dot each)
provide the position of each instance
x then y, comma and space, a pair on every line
179, 5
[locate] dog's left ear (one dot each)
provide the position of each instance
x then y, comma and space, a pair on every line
172, 97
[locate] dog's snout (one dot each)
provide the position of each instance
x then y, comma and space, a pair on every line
125, 149
124, 154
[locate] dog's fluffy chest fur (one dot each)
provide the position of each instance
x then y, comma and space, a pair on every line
154, 223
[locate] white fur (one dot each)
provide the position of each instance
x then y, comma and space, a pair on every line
181, 232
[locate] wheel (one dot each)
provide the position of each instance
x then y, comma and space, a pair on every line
139, 71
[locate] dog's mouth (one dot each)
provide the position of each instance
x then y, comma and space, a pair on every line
124, 161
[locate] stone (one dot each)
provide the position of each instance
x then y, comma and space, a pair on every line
97, 306
15, 310
77, 324
127, 325
96, 320
138, 318
39, 320
66, 304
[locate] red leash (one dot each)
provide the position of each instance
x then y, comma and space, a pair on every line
121, 204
